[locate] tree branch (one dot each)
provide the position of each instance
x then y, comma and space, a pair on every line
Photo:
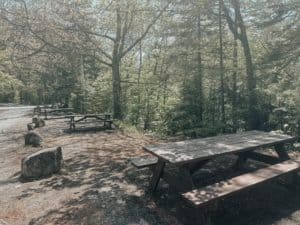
146, 31
231, 24
33, 53
101, 35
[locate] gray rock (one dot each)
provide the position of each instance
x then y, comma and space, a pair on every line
39, 122
33, 138
42, 163
30, 126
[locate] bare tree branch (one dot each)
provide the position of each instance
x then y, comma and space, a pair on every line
230, 21
122, 54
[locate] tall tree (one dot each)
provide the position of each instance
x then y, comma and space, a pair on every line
222, 91
234, 77
252, 117
125, 15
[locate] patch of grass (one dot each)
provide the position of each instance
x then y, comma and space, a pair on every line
128, 129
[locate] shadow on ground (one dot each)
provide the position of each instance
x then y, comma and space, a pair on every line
115, 193
276, 202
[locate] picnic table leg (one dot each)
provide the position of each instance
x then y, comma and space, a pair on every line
185, 180
281, 152
194, 167
240, 162
72, 124
45, 114
107, 124
293, 179
157, 174
179, 179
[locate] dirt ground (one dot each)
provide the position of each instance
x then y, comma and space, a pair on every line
97, 184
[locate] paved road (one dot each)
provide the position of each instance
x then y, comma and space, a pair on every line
13, 122
10, 116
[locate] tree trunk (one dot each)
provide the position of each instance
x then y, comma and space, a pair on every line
253, 119
221, 67
116, 77
199, 75
117, 106
234, 78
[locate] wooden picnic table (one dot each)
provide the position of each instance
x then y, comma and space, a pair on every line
74, 119
190, 155
53, 111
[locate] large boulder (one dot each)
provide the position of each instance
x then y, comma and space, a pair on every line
33, 138
42, 163
39, 122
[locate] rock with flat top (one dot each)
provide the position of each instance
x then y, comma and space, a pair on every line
33, 138
42, 163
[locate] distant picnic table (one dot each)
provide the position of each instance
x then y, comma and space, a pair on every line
91, 119
60, 112
52, 112
191, 155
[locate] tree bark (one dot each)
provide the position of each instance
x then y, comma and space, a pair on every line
117, 106
119, 52
252, 117
116, 78
221, 67
234, 78
199, 74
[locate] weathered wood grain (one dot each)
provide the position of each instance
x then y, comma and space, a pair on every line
183, 152
157, 173
202, 196
146, 161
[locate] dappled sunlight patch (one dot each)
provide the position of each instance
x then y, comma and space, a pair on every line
127, 188
12, 213
105, 189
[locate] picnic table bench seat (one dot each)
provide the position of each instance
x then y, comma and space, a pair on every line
144, 161
178, 161
205, 195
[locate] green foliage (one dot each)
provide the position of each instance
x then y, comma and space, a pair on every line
127, 128
99, 95
187, 115
170, 80
9, 88
298, 93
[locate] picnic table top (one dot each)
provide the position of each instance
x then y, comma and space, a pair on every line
87, 115
58, 109
204, 148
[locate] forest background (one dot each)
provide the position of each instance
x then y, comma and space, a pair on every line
191, 67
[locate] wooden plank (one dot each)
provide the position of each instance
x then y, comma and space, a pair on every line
202, 196
185, 179
263, 158
145, 161
101, 118
198, 149
157, 174
51, 110
56, 117
194, 167
179, 179
241, 161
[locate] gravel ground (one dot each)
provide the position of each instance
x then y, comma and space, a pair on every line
97, 184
